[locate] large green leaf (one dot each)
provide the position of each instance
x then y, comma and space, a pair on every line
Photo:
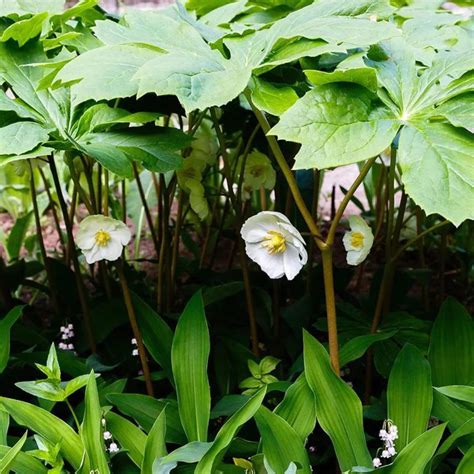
145, 410
5, 326
337, 124
337, 405
128, 435
189, 357
442, 154
280, 443
416, 456
409, 394
451, 350
91, 429
337, 22
298, 408
18, 67
25, 7
23, 30
21, 137
458, 111
104, 73
155, 446
228, 432
47, 425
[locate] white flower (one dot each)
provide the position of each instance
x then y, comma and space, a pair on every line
358, 241
113, 448
107, 435
273, 243
391, 451
102, 238
385, 454
135, 352
134, 341
376, 462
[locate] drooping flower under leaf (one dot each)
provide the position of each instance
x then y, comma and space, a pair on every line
102, 238
358, 241
274, 244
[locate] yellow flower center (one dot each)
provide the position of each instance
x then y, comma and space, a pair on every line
102, 238
357, 239
274, 242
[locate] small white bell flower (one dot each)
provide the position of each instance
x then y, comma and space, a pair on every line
376, 462
107, 435
102, 238
273, 243
358, 241
113, 448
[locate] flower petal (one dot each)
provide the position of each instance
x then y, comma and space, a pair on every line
271, 264
292, 262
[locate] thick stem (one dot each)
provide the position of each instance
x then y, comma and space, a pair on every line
290, 179
77, 269
330, 307
136, 330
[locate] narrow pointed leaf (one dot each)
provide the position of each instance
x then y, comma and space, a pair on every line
281, 444
337, 405
189, 356
228, 432
91, 429
409, 395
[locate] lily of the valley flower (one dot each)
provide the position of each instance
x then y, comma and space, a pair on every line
273, 243
102, 238
358, 241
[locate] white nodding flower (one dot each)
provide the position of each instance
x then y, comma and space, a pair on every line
376, 462
135, 352
273, 243
107, 435
102, 238
358, 241
113, 448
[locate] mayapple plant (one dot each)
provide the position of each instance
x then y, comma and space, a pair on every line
168, 152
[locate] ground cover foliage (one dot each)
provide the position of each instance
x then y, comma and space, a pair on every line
174, 294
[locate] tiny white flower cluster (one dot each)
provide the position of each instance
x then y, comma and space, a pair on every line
112, 445
388, 434
67, 333
135, 347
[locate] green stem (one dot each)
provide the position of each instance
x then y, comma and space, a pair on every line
290, 179
73, 413
330, 307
